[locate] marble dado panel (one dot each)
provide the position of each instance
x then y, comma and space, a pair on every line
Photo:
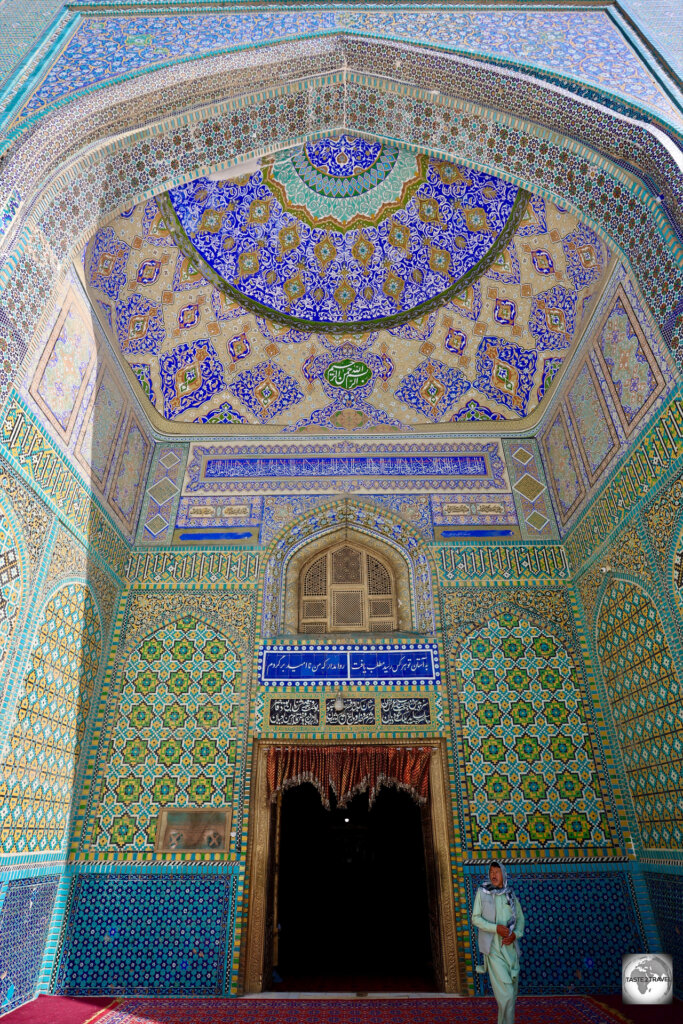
77, 391
344, 467
617, 383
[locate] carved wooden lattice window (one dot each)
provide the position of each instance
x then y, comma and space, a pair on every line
347, 590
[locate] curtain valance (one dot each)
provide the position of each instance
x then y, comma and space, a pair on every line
349, 770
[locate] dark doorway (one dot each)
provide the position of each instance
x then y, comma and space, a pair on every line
352, 895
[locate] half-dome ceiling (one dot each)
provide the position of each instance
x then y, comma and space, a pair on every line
345, 285
343, 233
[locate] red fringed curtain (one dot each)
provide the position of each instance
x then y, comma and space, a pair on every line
350, 770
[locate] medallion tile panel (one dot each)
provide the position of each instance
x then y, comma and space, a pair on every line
631, 370
532, 780
562, 467
595, 434
65, 367
173, 734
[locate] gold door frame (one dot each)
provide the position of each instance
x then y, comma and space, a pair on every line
259, 852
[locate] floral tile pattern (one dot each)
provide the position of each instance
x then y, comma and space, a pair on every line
335, 235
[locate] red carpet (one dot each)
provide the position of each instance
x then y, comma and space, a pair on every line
530, 1010
63, 1010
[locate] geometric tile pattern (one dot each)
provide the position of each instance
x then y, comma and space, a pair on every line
10, 585
591, 959
24, 922
146, 935
173, 741
531, 495
644, 693
531, 774
37, 775
163, 494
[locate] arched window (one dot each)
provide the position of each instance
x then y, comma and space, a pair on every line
347, 590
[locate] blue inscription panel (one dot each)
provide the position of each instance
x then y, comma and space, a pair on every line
361, 465
414, 664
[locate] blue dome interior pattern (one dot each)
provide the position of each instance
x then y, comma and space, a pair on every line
410, 232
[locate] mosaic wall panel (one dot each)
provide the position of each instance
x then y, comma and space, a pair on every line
65, 366
24, 922
607, 398
666, 896
571, 952
589, 47
531, 781
29, 449
10, 582
656, 453
530, 491
631, 370
644, 694
84, 402
596, 437
661, 518
109, 947
562, 465
45, 742
173, 740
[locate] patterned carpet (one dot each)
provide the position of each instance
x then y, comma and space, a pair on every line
530, 1010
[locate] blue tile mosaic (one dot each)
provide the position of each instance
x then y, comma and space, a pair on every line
666, 896
113, 944
385, 235
567, 946
24, 924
